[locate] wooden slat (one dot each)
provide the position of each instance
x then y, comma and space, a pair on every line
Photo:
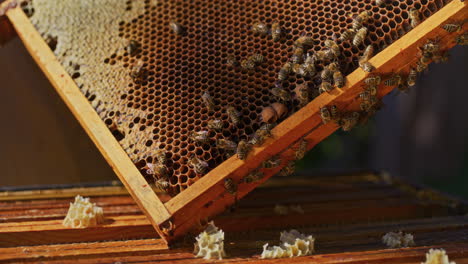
152, 251
52, 231
62, 193
190, 205
136, 226
330, 239
89, 119
348, 229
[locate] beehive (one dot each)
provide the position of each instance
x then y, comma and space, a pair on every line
347, 220
161, 106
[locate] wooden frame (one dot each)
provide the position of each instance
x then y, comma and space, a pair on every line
207, 197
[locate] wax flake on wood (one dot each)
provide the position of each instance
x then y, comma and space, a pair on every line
437, 256
292, 244
398, 240
210, 243
82, 214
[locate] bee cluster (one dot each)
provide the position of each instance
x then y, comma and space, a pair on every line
196, 79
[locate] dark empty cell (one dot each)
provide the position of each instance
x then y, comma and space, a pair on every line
427, 13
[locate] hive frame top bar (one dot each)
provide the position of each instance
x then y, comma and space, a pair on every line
207, 196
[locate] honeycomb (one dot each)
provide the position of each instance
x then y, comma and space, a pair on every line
150, 95
82, 214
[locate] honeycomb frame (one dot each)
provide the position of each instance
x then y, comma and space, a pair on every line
207, 196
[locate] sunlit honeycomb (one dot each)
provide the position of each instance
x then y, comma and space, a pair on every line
162, 108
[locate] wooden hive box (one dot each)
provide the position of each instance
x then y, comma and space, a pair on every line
347, 219
131, 119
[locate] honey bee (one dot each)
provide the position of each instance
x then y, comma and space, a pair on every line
133, 47
298, 55
420, 67
366, 66
365, 106
326, 73
176, 27
208, 100
338, 79
254, 176
323, 55
199, 137
325, 87
233, 114
267, 128
281, 94
325, 115
380, 2
243, 149
162, 184
360, 36
373, 80
215, 124
302, 95
452, 27
331, 55
232, 61
138, 70
288, 169
276, 31
334, 115
372, 89
304, 42
349, 121
261, 134
462, 39
412, 77
308, 67
156, 169
414, 17
368, 53
258, 138
256, 58
297, 68
285, 71
365, 96
160, 155
273, 162
347, 34
357, 24
199, 166
333, 47
395, 80
230, 186
248, 64
301, 149
333, 66
426, 57
431, 47
364, 16
226, 144
260, 28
